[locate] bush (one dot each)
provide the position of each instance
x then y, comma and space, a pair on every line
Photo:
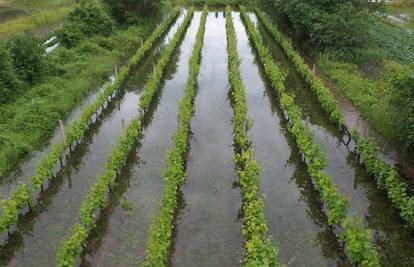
330, 25
9, 82
28, 56
126, 11
85, 20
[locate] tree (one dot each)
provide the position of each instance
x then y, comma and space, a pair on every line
125, 11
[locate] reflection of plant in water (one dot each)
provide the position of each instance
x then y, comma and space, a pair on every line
126, 204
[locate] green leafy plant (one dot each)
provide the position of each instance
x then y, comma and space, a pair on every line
259, 250
75, 133
160, 234
71, 248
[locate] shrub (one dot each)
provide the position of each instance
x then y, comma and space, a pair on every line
85, 20
9, 82
27, 55
125, 11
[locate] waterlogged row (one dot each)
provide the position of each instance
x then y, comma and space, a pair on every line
259, 250
387, 177
25, 194
97, 198
357, 240
161, 231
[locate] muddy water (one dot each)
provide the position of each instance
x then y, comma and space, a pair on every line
296, 231
123, 242
208, 226
41, 231
27, 167
366, 200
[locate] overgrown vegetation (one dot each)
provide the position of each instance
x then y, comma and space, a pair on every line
357, 240
259, 250
369, 59
84, 21
161, 231
71, 248
33, 110
128, 11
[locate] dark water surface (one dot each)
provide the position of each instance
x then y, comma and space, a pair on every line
366, 201
208, 226
122, 236
299, 229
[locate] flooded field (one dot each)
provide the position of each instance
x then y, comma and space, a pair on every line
208, 227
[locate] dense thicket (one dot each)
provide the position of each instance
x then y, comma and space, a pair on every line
330, 25
127, 11
21, 63
8, 77
86, 20
404, 102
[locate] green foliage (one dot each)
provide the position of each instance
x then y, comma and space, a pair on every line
258, 246
387, 178
403, 102
9, 81
98, 195
395, 41
128, 10
27, 55
85, 20
161, 231
74, 133
357, 240
331, 25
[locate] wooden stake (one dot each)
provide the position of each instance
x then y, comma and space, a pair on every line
62, 129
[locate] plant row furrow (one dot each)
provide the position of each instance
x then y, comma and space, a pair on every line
98, 196
25, 194
386, 176
357, 240
161, 230
259, 250
323, 94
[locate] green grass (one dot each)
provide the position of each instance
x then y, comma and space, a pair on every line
36, 14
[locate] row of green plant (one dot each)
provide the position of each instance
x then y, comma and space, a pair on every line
357, 240
161, 231
324, 95
97, 198
24, 195
259, 250
388, 178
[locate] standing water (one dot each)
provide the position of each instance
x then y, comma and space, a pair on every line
123, 239
366, 201
41, 231
208, 226
302, 236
